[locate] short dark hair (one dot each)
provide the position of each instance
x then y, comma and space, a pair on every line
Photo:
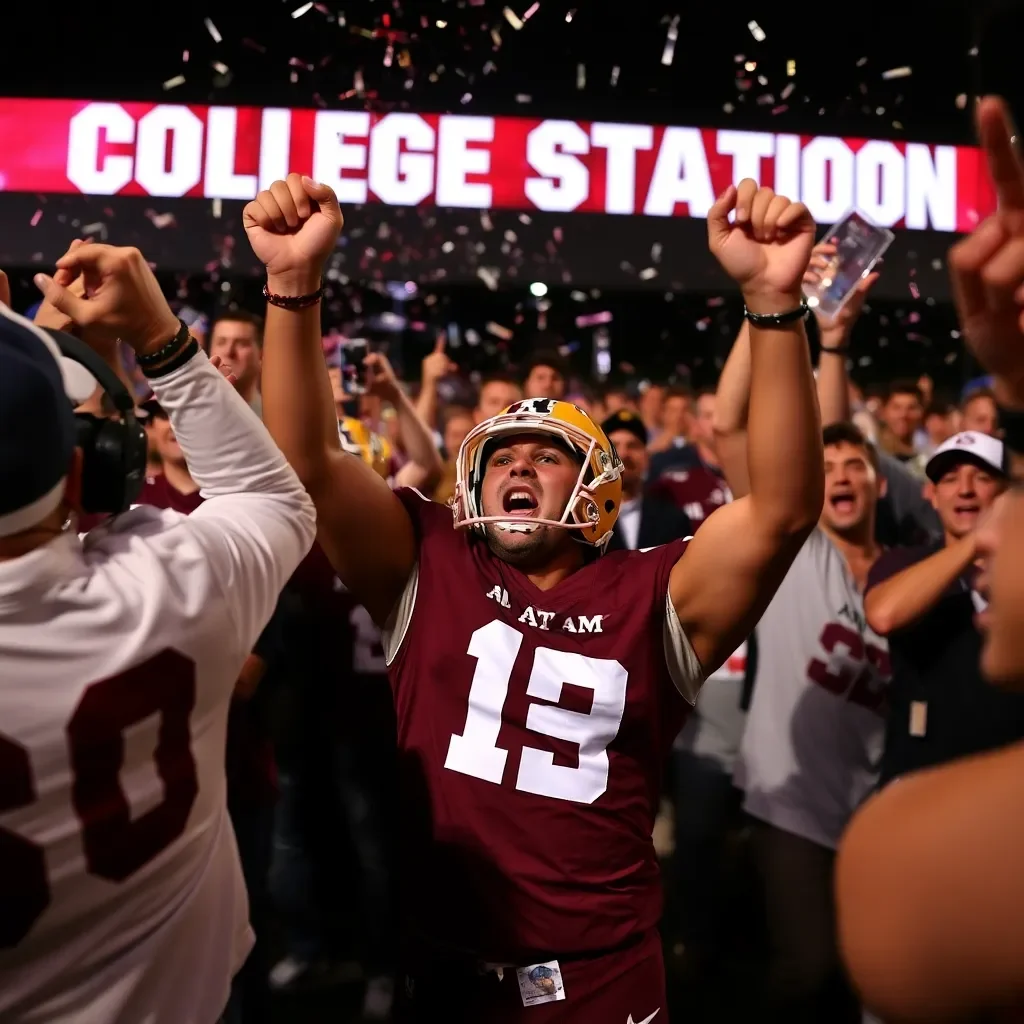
845, 432
546, 357
904, 387
497, 378
451, 412
976, 393
942, 405
238, 316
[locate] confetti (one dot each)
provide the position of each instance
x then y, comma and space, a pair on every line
173, 83
300, 11
512, 18
903, 72
581, 76
668, 54
756, 31
212, 29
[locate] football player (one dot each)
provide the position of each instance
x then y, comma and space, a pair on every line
929, 881
538, 686
121, 895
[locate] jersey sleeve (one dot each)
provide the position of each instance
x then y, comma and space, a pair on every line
432, 523
257, 521
683, 665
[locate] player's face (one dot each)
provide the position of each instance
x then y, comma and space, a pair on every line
1001, 546
961, 496
164, 441
851, 488
528, 477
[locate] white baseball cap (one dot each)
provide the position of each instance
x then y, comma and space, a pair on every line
967, 446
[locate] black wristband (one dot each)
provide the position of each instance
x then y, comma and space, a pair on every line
178, 341
172, 364
834, 350
294, 302
777, 319
1011, 423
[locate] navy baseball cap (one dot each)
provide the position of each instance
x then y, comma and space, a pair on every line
37, 422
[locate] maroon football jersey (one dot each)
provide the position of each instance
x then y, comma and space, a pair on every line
532, 731
697, 489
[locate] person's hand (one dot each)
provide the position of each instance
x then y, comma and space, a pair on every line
48, 316
766, 249
437, 364
839, 326
987, 267
122, 298
292, 228
5, 290
380, 377
225, 370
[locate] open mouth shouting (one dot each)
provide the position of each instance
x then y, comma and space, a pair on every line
842, 501
520, 502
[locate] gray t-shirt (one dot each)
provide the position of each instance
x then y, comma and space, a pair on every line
813, 742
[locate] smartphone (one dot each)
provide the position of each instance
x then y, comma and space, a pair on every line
353, 373
859, 246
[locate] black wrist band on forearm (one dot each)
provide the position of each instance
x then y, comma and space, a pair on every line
1011, 423
777, 319
172, 364
834, 350
165, 352
294, 301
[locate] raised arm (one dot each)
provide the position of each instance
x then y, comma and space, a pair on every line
423, 470
732, 405
734, 565
362, 526
257, 522
834, 336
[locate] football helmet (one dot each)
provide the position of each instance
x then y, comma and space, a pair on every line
594, 503
357, 439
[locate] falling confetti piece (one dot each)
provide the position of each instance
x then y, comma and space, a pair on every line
36, 218
300, 11
531, 11
220, 68
903, 72
173, 83
615, 75
668, 54
569, 15
216, 207
581, 76
512, 18
756, 31
499, 331
212, 29
489, 278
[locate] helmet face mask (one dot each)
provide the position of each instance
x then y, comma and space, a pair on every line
593, 505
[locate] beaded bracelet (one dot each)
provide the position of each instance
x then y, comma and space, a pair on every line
174, 362
294, 301
180, 339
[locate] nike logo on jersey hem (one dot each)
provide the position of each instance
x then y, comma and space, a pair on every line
646, 1020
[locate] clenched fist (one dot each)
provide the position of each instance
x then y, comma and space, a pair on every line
766, 248
987, 267
292, 228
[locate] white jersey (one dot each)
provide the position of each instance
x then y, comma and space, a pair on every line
121, 895
813, 741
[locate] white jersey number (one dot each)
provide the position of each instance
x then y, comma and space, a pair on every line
476, 752
115, 843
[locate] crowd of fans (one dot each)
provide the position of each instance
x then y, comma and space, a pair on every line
311, 743
862, 669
